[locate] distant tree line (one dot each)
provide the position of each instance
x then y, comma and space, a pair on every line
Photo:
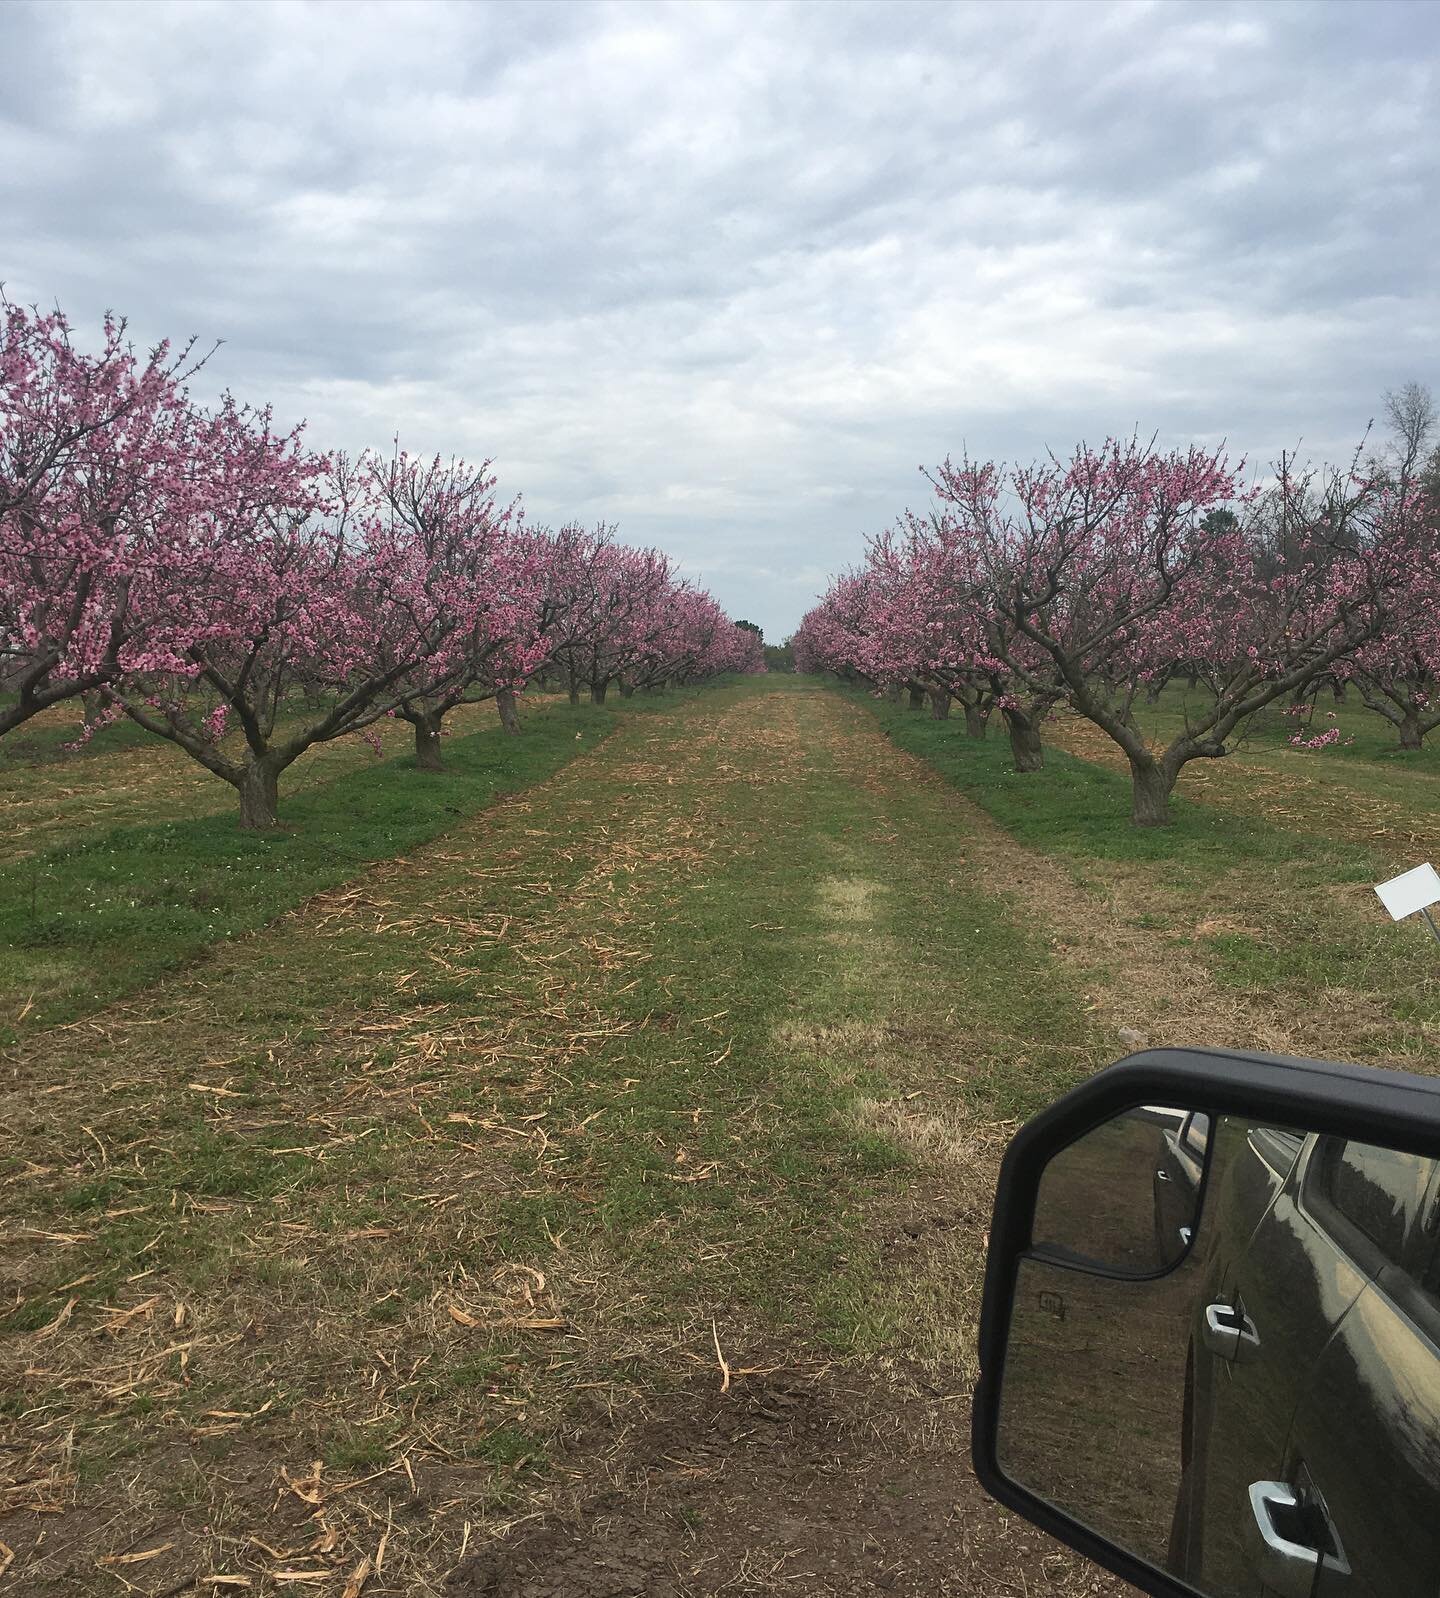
778, 657
208, 575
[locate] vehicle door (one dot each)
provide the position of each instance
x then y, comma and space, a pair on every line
1274, 1300
1177, 1184
1364, 1450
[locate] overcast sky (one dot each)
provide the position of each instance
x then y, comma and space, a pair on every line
727, 275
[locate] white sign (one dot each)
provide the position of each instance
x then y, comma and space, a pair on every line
1414, 890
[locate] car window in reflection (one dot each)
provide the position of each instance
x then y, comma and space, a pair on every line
1277, 1147
1430, 1274
1379, 1191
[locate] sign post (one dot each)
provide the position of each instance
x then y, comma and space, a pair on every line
1411, 893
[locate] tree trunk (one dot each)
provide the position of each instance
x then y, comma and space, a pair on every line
505, 704
574, 692
260, 794
626, 688
1410, 735
1026, 749
917, 697
894, 693
976, 720
597, 692
939, 704
1151, 785
427, 741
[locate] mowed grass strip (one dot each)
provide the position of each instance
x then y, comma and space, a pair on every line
54, 791
88, 920
1281, 910
507, 1141
1365, 790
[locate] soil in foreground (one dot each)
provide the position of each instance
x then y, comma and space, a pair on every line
591, 1203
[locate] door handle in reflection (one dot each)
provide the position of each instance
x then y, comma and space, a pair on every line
1230, 1333
1284, 1543
1162, 1176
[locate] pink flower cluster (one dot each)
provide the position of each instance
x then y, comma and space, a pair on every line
1322, 740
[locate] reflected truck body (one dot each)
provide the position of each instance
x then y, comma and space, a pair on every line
1324, 1254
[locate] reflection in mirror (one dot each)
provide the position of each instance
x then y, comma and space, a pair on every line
1264, 1415
1123, 1197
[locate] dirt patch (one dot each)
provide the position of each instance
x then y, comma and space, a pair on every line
803, 1482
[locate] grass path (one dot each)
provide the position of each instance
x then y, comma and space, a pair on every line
106, 908
452, 1180
1258, 930
408, 1242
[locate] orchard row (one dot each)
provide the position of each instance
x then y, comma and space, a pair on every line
1092, 581
231, 590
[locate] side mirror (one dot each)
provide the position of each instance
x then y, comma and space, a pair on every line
1210, 1340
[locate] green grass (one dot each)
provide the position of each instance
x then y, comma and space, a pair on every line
35, 743
770, 937
1368, 736
1082, 810
651, 1102
80, 925
1311, 925
754, 939
1369, 760
671, 1048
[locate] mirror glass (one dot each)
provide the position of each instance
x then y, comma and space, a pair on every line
1123, 1198
1232, 1370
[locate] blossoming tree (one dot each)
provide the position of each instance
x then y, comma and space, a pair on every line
1114, 566
436, 527
298, 624
96, 477
1093, 580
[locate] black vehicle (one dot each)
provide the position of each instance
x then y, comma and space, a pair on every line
1235, 1392
1178, 1172
1314, 1366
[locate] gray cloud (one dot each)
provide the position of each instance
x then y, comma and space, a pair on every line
728, 273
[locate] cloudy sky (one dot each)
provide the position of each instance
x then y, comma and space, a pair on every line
726, 275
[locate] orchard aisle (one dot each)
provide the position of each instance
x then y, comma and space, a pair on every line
591, 1204
1394, 810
